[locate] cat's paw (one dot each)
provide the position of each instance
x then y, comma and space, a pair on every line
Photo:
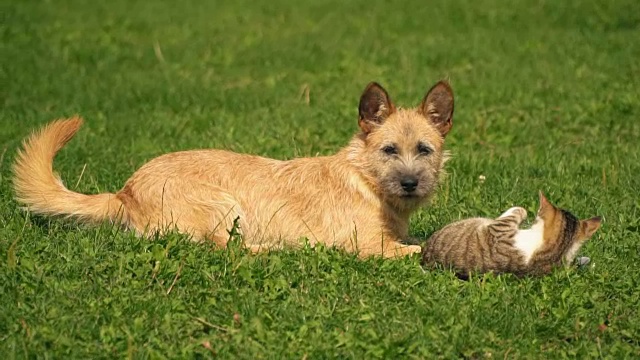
583, 261
519, 212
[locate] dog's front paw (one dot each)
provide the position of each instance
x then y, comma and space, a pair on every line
407, 250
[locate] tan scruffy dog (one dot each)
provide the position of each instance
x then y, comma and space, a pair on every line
359, 199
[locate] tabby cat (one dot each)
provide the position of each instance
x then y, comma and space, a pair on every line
498, 245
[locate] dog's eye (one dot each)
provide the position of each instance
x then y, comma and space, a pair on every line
424, 149
390, 150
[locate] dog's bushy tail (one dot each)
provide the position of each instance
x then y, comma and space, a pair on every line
42, 191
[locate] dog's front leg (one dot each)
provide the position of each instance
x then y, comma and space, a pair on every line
390, 249
411, 240
402, 250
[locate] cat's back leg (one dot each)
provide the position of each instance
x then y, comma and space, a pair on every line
503, 230
517, 213
505, 226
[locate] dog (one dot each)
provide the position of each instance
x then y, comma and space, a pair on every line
359, 199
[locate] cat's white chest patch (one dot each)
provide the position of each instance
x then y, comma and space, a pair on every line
530, 240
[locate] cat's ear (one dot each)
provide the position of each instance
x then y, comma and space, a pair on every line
437, 107
545, 205
375, 107
589, 226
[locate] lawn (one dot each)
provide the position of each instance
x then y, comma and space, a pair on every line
547, 98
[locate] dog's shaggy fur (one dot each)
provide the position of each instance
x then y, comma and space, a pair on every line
359, 199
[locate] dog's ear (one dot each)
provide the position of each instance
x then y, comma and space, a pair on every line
437, 106
375, 107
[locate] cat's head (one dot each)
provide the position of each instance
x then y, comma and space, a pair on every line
563, 231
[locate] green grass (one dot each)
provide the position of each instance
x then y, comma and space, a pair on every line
547, 97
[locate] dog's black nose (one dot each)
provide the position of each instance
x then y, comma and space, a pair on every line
409, 183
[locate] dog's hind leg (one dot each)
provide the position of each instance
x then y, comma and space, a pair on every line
204, 211
215, 218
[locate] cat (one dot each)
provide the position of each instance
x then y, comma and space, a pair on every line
483, 245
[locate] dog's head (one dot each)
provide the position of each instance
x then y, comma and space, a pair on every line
403, 148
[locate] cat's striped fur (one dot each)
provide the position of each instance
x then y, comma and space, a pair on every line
498, 245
